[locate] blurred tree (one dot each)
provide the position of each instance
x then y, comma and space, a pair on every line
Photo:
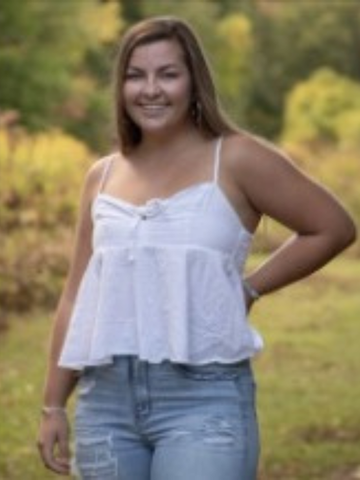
291, 41
264, 62
202, 15
90, 100
40, 49
234, 33
324, 109
227, 7
55, 57
48, 51
325, 34
132, 11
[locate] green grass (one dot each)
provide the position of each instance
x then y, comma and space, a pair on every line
308, 382
309, 377
22, 354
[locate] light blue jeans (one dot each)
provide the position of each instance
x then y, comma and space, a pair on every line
141, 421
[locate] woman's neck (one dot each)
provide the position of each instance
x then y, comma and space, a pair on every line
169, 142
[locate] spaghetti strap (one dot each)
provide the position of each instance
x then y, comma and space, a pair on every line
217, 157
105, 172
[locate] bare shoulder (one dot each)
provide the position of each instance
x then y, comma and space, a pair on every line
97, 168
275, 186
95, 173
257, 165
246, 150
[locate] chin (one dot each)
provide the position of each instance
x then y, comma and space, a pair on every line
160, 129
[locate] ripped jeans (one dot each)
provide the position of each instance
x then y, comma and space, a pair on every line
167, 421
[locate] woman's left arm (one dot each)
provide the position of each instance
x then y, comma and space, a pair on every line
322, 228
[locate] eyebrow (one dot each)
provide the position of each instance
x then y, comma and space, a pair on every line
162, 67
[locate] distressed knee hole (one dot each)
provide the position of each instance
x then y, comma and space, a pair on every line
219, 431
95, 459
216, 431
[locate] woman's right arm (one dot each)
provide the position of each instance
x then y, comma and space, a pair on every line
59, 383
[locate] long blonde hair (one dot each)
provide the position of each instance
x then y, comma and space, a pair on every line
207, 113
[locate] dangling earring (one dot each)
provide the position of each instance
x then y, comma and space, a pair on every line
196, 112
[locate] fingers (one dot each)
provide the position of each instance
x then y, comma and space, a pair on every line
57, 464
54, 449
64, 452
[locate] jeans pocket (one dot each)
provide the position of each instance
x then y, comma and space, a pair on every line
210, 371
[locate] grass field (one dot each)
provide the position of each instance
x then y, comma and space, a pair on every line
308, 382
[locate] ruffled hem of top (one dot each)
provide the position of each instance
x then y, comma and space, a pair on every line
132, 305
74, 362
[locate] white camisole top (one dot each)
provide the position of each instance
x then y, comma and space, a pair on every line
164, 281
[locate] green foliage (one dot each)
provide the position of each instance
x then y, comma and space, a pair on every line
40, 49
132, 11
326, 35
38, 204
97, 128
201, 15
234, 36
324, 109
309, 422
307, 382
291, 40
46, 49
55, 57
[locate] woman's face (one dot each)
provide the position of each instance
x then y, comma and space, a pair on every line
157, 87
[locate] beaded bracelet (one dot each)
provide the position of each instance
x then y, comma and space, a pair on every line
51, 410
251, 291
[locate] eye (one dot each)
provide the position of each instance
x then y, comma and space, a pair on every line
170, 74
132, 75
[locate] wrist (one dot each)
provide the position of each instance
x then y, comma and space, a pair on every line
52, 410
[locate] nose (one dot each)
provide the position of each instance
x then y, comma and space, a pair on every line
151, 87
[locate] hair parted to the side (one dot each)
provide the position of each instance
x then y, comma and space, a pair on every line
206, 111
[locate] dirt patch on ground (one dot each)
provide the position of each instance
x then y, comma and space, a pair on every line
326, 433
351, 472
347, 473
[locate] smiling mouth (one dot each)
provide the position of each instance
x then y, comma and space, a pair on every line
152, 110
153, 107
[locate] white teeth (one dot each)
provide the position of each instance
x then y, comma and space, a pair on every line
152, 107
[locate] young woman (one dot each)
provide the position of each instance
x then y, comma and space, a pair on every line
153, 321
